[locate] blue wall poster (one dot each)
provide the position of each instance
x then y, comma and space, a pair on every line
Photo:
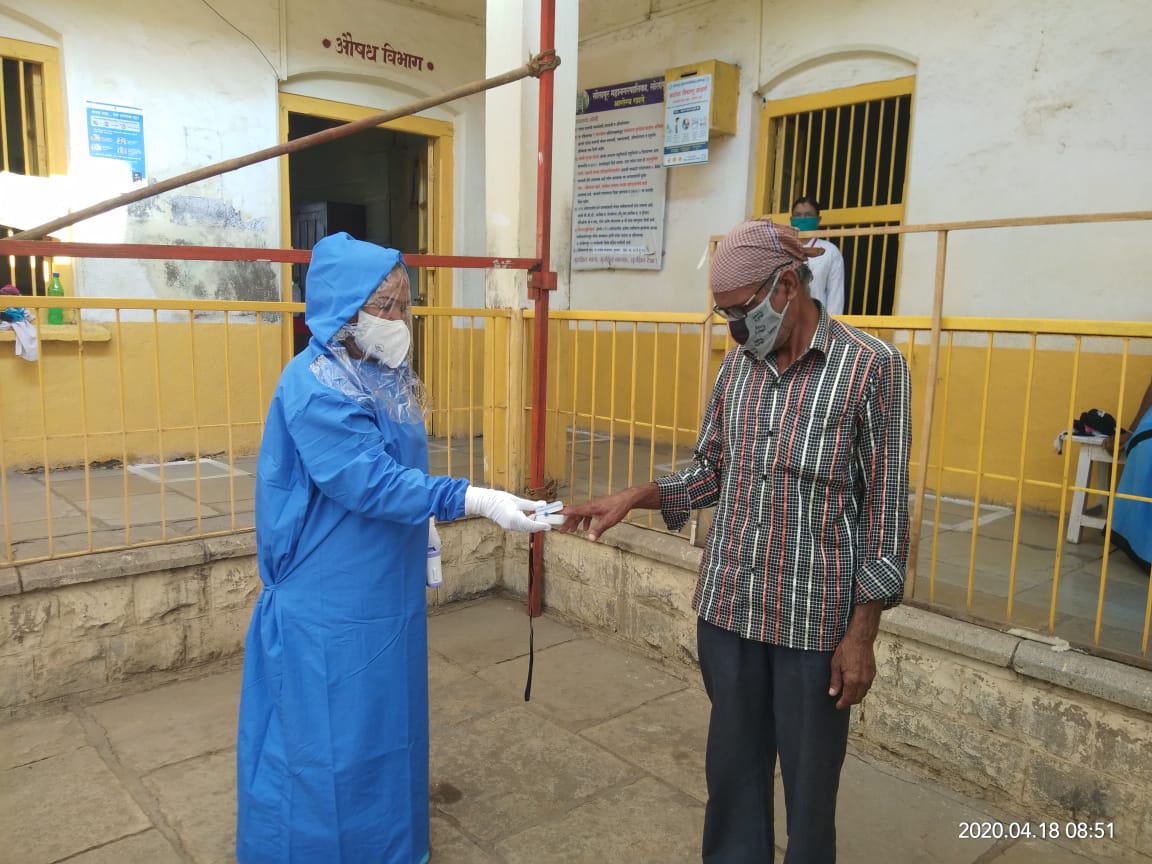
117, 132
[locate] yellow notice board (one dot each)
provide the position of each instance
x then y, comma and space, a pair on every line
724, 96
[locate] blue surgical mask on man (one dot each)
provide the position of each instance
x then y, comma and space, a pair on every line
760, 327
805, 223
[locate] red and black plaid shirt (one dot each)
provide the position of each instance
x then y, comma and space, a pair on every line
809, 474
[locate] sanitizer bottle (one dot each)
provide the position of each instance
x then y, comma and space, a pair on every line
435, 575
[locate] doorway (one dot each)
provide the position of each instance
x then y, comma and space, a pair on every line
389, 185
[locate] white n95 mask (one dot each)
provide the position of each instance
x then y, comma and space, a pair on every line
383, 340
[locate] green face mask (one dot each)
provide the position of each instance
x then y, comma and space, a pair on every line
805, 223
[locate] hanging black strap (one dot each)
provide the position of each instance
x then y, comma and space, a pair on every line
532, 539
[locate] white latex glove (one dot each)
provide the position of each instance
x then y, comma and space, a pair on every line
433, 534
503, 508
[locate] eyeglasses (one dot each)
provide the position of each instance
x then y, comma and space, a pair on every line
736, 313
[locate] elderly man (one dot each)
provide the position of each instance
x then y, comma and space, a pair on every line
804, 451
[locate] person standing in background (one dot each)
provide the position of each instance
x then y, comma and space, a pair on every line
827, 269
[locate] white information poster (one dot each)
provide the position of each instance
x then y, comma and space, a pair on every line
618, 217
686, 112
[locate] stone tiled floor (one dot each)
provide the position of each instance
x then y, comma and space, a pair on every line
605, 763
103, 507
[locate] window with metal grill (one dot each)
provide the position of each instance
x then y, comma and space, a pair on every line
22, 144
848, 149
25, 73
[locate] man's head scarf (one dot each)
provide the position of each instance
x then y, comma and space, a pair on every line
752, 251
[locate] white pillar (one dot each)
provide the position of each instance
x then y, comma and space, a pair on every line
510, 145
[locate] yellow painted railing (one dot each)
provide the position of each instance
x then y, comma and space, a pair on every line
624, 407
141, 425
623, 398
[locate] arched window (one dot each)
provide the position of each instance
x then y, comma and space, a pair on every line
848, 148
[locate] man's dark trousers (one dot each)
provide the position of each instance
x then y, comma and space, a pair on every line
768, 700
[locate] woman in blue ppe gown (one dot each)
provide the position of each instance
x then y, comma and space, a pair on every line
332, 751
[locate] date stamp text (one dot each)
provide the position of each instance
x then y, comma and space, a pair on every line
1039, 830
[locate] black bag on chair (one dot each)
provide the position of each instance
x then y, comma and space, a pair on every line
1094, 422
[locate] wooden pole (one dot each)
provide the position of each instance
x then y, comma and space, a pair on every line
535, 67
929, 410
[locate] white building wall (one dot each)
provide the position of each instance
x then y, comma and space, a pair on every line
206, 94
702, 200
456, 49
512, 142
208, 86
1033, 108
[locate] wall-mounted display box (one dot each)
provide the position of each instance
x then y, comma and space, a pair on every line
725, 92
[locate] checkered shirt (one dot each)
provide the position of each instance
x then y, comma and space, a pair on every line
809, 474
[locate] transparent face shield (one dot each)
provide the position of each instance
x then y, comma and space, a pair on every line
382, 330
392, 298
374, 352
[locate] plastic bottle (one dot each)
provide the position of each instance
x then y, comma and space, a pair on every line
55, 289
435, 575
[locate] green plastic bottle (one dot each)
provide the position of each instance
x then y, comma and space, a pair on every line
55, 289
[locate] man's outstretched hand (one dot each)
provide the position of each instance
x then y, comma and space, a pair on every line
598, 515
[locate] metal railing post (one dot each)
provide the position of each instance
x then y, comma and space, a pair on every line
929, 408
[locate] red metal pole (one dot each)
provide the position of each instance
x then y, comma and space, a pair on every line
156, 251
540, 283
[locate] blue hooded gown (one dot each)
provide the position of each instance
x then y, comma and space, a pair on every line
1132, 520
332, 751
